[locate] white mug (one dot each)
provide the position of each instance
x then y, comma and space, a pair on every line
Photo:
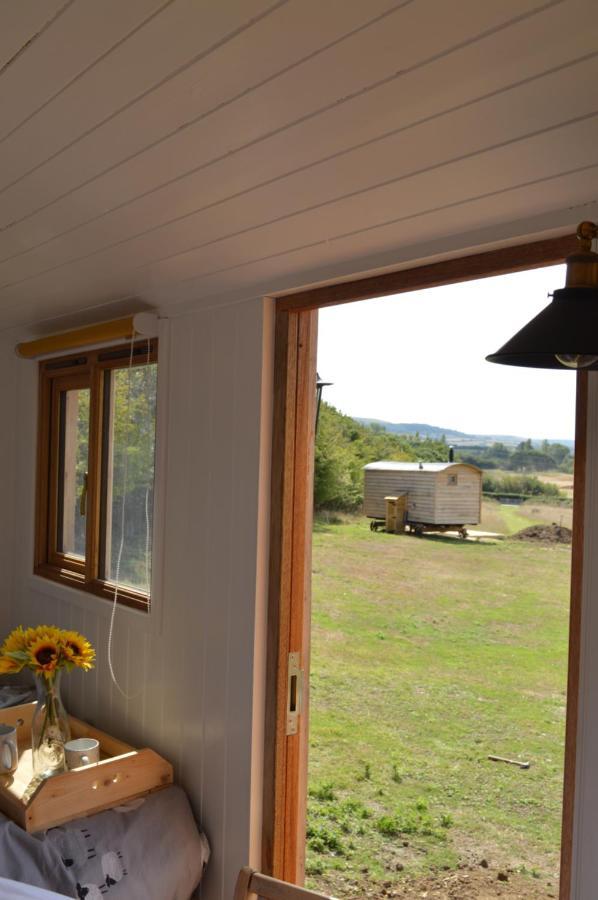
9, 754
81, 752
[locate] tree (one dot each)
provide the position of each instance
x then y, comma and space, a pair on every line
344, 447
132, 451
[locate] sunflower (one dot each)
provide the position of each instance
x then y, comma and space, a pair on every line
13, 653
77, 649
45, 653
15, 642
45, 649
9, 666
42, 631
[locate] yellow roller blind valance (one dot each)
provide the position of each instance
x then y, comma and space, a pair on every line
144, 324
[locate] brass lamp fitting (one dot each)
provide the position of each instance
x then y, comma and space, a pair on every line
582, 267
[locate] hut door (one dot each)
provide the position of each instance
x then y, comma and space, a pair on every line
285, 787
286, 738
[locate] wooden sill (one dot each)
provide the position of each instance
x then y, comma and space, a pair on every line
69, 578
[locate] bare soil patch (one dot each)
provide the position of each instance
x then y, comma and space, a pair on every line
550, 534
467, 883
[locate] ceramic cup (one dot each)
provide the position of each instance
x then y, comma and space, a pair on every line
82, 752
9, 754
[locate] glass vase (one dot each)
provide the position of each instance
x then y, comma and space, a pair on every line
50, 729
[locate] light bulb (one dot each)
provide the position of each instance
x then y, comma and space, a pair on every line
576, 360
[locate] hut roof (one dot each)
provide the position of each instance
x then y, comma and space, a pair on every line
393, 465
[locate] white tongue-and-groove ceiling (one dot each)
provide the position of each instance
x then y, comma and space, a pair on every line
169, 150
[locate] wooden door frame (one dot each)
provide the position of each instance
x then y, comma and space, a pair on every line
285, 768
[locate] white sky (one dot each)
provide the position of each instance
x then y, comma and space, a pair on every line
419, 357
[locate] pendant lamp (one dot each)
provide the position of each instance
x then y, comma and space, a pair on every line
565, 334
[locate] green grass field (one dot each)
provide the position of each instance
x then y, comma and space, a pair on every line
428, 655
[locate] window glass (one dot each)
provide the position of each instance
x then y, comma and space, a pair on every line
96, 450
73, 448
128, 475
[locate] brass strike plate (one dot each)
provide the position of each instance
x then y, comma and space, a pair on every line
294, 690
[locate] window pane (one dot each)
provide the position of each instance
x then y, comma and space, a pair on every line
73, 441
128, 475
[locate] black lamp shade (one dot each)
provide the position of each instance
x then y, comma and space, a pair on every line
568, 325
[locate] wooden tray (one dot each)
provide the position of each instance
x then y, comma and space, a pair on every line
122, 774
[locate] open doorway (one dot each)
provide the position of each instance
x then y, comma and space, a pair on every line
439, 666
285, 770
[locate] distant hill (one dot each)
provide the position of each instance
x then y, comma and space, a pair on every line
457, 438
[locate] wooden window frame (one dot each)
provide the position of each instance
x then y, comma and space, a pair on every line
293, 435
79, 370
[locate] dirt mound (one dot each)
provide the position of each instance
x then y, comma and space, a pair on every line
551, 534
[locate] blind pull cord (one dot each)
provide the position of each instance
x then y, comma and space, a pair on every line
113, 676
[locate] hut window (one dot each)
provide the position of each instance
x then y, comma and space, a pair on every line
97, 425
452, 479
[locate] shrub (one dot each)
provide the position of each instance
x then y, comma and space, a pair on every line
522, 485
388, 826
323, 792
322, 839
314, 868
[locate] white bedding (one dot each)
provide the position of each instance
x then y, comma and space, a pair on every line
150, 850
15, 890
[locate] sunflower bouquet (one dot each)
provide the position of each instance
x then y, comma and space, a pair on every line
47, 651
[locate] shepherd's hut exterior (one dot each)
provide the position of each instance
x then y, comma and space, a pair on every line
440, 494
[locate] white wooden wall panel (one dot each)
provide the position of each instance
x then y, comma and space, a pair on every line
526, 211
222, 503
182, 149
165, 43
402, 238
300, 94
573, 147
83, 33
424, 92
414, 150
18, 30
174, 125
8, 491
493, 170
188, 668
200, 437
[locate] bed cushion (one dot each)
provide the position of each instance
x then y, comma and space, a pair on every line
150, 849
15, 890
